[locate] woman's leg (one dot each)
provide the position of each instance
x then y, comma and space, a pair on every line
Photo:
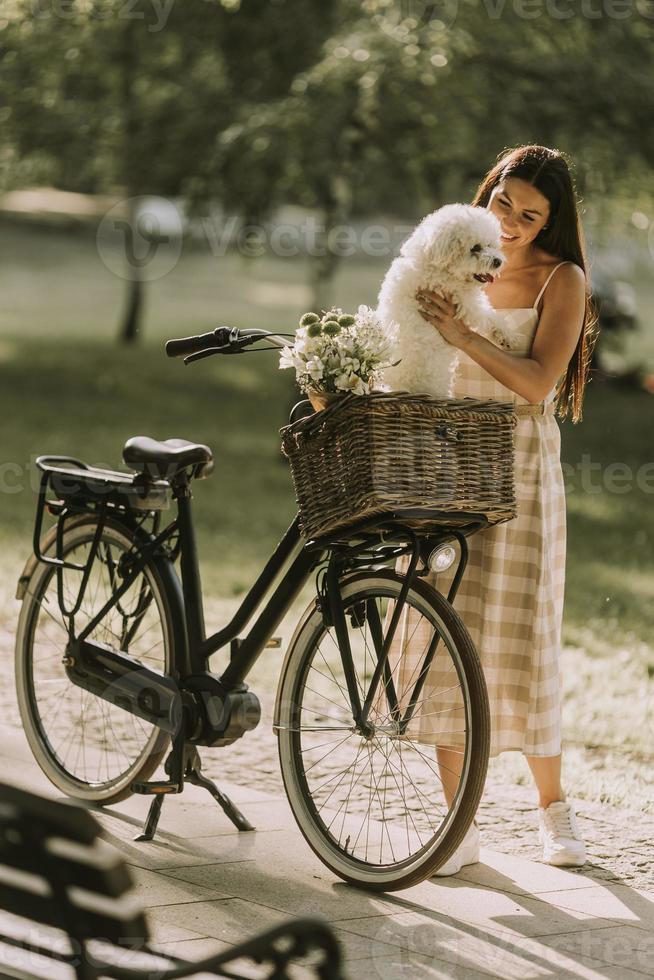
546, 771
450, 763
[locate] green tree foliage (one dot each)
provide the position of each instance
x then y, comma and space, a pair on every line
342, 106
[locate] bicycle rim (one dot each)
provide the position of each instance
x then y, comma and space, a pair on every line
90, 749
372, 808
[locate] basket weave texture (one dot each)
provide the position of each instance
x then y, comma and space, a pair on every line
393, 451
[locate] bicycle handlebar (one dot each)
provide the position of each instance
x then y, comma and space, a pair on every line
188, 345
222, 340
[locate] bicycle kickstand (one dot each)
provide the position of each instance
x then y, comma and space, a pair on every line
193, 774
183, 764
174, 768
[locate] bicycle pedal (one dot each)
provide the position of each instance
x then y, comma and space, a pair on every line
156, 787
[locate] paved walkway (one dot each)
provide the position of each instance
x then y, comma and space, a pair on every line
620, 842
205, 886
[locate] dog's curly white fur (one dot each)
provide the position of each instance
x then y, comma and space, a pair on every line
453, 249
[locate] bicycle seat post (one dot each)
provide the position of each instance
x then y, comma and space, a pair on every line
192, 585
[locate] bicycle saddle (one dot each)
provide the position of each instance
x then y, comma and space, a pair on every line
164, 460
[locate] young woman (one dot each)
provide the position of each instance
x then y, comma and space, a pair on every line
511, 595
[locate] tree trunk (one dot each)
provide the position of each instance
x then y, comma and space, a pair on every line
336, 211
129, 331
131, 322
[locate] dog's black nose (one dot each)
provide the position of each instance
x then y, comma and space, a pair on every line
497, 263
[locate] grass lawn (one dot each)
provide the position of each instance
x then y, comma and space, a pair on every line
68, 388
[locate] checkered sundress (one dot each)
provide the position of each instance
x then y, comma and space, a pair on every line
511, 594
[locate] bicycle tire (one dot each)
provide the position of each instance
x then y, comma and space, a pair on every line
109, 727
295, 696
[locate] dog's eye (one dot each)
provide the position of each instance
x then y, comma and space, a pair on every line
476, 248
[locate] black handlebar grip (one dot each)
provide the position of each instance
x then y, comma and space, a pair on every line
204, 341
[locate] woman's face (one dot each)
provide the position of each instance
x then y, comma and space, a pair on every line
521, 209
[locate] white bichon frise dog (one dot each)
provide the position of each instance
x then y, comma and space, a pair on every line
453, 249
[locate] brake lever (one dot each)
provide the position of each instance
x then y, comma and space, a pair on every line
207, 352
235, 346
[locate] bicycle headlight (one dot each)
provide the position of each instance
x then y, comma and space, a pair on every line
441, 558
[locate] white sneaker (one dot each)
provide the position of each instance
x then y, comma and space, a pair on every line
559, 834
466, 853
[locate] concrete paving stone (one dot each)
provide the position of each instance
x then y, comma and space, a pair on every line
458, 902
618, 902
410, 966
170, 850
267, 850
286, 882
356, 947
232, 920
463, 947
192, 949
200, 816
167, 932
510, 873
154, 889
195, 950
360, 959
241, 790
622, 947
290, 889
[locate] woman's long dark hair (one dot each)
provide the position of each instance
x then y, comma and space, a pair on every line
549, 172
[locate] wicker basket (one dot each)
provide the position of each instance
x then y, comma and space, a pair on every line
390, 452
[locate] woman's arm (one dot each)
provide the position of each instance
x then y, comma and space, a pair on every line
556, 337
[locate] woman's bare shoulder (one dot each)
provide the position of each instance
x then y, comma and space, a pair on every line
567, 288
570, 275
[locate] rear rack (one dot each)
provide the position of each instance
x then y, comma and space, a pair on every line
78, 487
70, 478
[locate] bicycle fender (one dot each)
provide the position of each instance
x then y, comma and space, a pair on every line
306, 615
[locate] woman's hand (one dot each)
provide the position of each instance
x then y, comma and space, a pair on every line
439, 310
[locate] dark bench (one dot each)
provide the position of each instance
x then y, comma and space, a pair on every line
64, 887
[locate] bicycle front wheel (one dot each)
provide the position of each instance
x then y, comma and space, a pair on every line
89, 748
370, 801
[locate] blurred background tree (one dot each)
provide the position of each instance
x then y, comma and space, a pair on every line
340, 106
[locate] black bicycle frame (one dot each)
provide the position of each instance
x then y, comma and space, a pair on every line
304, 558
244, 651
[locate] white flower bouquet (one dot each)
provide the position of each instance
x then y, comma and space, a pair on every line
341, 352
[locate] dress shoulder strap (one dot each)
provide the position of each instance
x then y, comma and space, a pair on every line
565, 262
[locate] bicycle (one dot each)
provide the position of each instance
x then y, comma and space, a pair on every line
112, 654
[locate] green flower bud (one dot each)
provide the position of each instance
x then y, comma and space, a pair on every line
314, 329
308, 318
346, 320
331, 328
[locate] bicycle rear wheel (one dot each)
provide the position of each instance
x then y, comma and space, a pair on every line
90, 749
371, 804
